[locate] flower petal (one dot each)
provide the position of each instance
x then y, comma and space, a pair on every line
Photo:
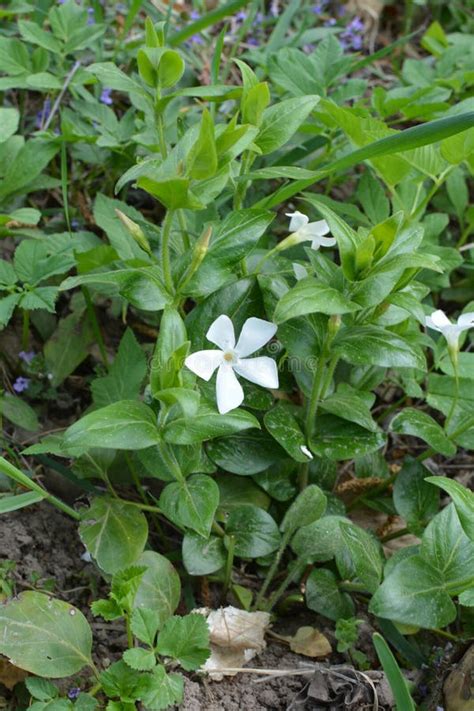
229, 391
221, 332
318, 228
299, 271
438, 320
204, 363
255, 333
297, 221
261, 371
465, 321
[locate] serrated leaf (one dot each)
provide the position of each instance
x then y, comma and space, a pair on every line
185, 639
139, 658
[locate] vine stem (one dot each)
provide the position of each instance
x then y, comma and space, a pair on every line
165, 250
272, 570
228, 567
25, 332
292, 575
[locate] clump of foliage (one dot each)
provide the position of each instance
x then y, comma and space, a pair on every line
286, 224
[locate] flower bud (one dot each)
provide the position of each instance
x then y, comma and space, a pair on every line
135, 230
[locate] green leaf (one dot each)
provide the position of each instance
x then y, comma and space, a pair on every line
41, 689
419, 424
144, 624
191, 503
340, 439
414, 499
172, 193
373, 198
142, 287
62, 636
353, 405
282, 120
31, 32
68, 346
185, 639
371, 345
19, 412
401, 694
284, 427
139, 658
365, 553
126, 424
172, 335
114, 533
9, 121
202, 159
161, 690
7, 306
13, 503
203, 556
125, 376
324, 597
245, 454
111, 76
308, 507
254, 530
206, 424
105, 215
29, 162
159, 590
318, 541
42, 297
463, 500
120, 680
310, 296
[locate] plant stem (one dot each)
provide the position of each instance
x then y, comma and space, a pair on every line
314, 399
295, 571
228, 567
165, 250
454, 403
25, 331
13, 473
95, 326
129, 632
272, 570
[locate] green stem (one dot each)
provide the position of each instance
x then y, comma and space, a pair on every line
395, 534
228, 566
314, 399
296, 571
272, 570
184, 230
25, 332
247, 160
454, 403
165, 250
95, 326
129, 632
24, 480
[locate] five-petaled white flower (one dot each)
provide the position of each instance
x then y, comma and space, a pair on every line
451, 331
303, 230
232, 359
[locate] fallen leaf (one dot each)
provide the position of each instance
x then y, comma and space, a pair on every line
310, 642
459, 686
10, 675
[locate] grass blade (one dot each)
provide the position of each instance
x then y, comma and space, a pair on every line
398, 685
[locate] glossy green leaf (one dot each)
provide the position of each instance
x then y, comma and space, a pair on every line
207, 423
191, 503
254, 531
309, 506
203, 556
114, 533
414, 498
284, 427
372, 345
45, 636
309, 296
324, 597
159, 589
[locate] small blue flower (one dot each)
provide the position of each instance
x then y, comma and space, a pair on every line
252, 41
194, 15
330, 23
241, 15
26, 356
274, 9
73, 693
91, 16
75, 223
42, 116
105, 97
196, 39
21, 384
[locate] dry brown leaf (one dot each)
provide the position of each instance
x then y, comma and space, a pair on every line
459, 686
310, 642
10, 675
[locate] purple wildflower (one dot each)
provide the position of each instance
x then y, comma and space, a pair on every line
73, 693
352, 37
21, 384
330, 23
194, 15
26, 356
91, 16
274, 8
319, 8
105, 97
75, 223
241, 15
252, 41
196, 39
42, 116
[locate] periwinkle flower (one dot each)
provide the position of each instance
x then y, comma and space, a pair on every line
438, 321
302, 230
73, 693
105, 96
21, 384
90, 16
232, 359
42, 116
194, 15
26, 356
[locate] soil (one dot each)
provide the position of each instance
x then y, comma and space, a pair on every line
47, 551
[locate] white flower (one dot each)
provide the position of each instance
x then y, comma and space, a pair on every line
451, 331
304, 230
232, 359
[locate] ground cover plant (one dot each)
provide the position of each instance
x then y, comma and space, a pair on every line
236, 303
